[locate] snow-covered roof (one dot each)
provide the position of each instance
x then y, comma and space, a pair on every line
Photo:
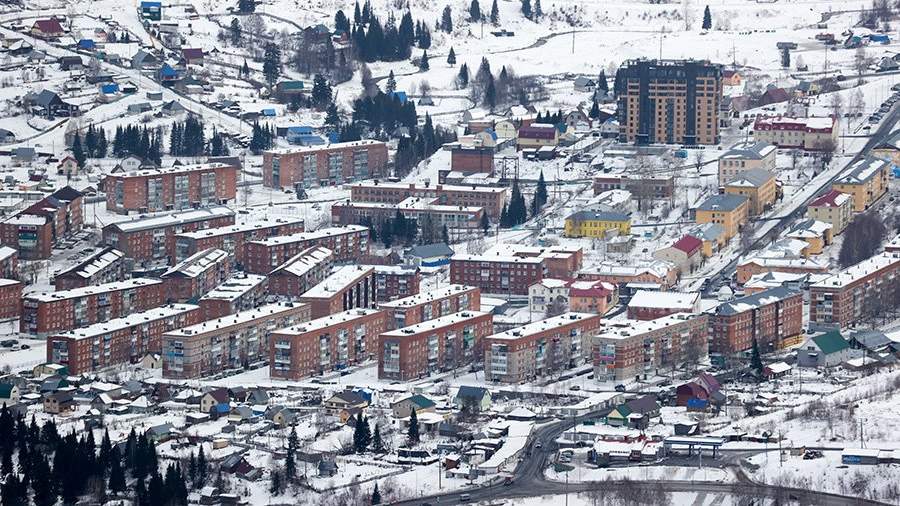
437, 323
176, 169
91, 290
809, 229
754, 301
862, 170
427, 296
233, 320
624, 329
6, 252
665, 300
433, 189
314, 149
858, 271
328, 321
749, 150
95, 263
778, 367
833, 198
542, 325
306, 260
197, 263
722, 202
308, 236
235, 286
241, 227
338, 280
751, 178
99, 329
169, 220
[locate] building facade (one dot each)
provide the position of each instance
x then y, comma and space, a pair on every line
173, 188
10, 299
232, 341
597, 224
394, 282
746, 155
669, 101
865, 181
834, 207
432, 304
325, 344
773, 318
860, 291
301, 272
119, 341
540, 348
490, 198
232, 239
432, 346
197, 274
346, 243
35, 230
348, 287
240, 292
329, 165
105, 266
758, 186
812, 134
729, 211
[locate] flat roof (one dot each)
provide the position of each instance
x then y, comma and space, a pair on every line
624, 329
338, 280
657, 299
425, 188
241, 227
327, 321
98, 329
91, 290
437, 323
235, 319
177, 169
307, 236
314, 149
858, 271
542, 325
235, 286
167, 220
427, 296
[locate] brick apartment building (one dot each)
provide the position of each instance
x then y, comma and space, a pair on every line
9, 263
512, 268
229, 342
35, 230
301, 272
348, 287
152, 239
325, 344
629, 349
232, 239
651, 304
396, 281
173, 188
417, 209
240, 292
10, 299
105, 266
347, 243
119, 341
488, 197
328, 165
773, 317
540, 348
859, 291
432, 304
49, 312
807, 133
669, 101
432, 346
472, 159
640, 186
196, 275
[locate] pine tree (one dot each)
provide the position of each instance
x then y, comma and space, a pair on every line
423, 63
490, 94
275, 487
235, 32
495, 14
595, 111
357, 18
272, 63
537, 10
445, 234
376, 495
290, 465
474, 11
321, 92
451, 58
707, 18
332, 118
341, 22
116, 474
526, 8
755, 359
245, 69
447, 20
391, 85
377, 443
541, 191
78, 151
358, 436
42, 485
462, 79
202, 468
413, 431
602, 83
246, 6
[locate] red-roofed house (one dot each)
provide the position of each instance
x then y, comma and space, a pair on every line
731, 78
47, 29
595, 297
686, 254
192, 56
536, 136
835, 208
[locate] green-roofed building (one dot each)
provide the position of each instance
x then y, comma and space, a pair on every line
825, 350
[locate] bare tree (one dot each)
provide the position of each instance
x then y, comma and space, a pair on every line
861, 61
254, 26
688, 14
557, 306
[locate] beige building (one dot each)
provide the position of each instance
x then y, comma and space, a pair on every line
669, 101
725, 209
866, 181
757, 185
834, 207
813, 134
746, 155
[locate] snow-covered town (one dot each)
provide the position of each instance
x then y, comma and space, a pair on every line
422, 252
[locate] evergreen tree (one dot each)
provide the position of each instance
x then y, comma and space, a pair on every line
102, 144
540, 192
78, 151
272, 63
537, 10
595, 111
246, 6
341, 22
332, 118
376, 495
526, 8
707, 18
245, 69
445, 234
42, 484
474, 11
357, 18
423, 63
235, 32
321, 92
602, 83
192, 468
495, 14
202, 468
391, 85
358, 436
275, 487
377, 443
116, 474
755, 359
424, 37
447, 20
462, 79
451, 58
490, 94
413, 431
290, 465
90, 142
485, 223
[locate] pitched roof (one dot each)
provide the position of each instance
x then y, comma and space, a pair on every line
431, 250
754, 301
688, 244
48, 25
643, 404
831, 342
833, 198
750, 150
349, 397
192, 53
468, 392
421, 401
598, 216
722, 202
751, 177
220, 395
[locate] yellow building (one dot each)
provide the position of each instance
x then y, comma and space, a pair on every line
730, 211
834, 207
817, 234
866, 181
597, 224
889, 150
758, 185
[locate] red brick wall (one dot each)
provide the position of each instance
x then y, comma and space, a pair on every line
291, 164
470, 161
11, 301
521, 275
135, 188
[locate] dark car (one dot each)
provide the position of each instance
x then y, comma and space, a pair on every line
620, 388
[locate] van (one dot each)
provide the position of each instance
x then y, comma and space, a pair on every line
465, 498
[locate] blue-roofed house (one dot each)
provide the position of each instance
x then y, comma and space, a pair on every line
400, 95
109, 89
307, 140
430, 255
168, 73
295, 133
151, 10
217, 401
87, 44
268, 112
